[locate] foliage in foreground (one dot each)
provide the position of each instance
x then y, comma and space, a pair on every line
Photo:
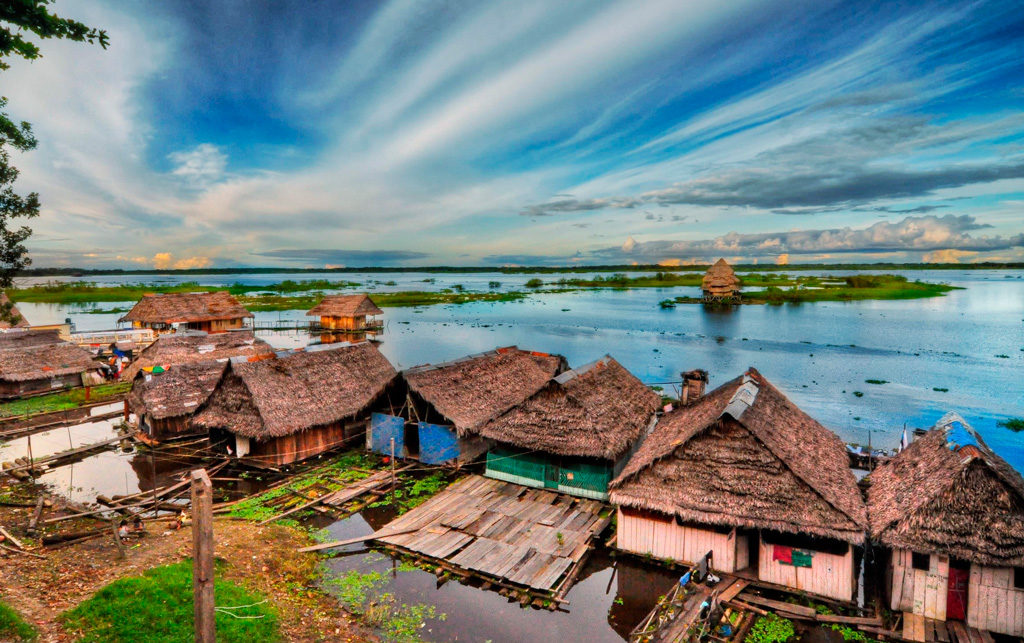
157, 607
13, 627
770, 629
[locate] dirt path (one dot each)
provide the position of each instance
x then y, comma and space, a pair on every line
261, 558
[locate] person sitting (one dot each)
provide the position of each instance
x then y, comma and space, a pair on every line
122, 531
137, 527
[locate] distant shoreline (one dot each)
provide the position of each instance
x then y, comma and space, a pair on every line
93, 272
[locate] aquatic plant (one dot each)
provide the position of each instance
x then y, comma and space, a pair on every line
1014, 424
771, 629
534, 283
877, 381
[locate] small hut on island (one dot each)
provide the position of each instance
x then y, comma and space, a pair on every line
10, 316
347, 313
33, 362
950, 513
195, 346
445, 404
720, 284
211, 312
277, 411
165, 401
743, 473
575, 433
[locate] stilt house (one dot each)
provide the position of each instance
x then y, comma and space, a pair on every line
212, 312
746, 475
194, 346
278, 411
165, 402
12, 317
347, 313
720, 284
445, 404
950, 514
33, 362
575, 433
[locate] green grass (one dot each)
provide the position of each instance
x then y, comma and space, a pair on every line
69, 399
81, 292
13, 627
157, 607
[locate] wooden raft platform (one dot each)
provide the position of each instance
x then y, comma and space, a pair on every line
919, 628
504, 532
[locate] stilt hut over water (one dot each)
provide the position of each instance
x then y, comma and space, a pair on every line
347, 313
445, 404
212, 312
277, 411
950, 513
194, 346
165, 401
746, 475
575, 433
12, 317
720, 284
33, 362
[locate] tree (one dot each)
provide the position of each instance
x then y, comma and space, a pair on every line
19, 19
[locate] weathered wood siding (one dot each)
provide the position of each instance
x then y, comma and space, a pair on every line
661, 537
217, 325
916, 590
829, 575
343, 323
169, 428
9, 389
299, 446
992, 602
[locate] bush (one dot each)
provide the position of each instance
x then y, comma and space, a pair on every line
534, 283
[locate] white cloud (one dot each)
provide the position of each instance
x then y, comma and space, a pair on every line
201, 165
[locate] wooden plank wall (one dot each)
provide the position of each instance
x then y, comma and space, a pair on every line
298, 446
644, 534
918, 591
829, 575
992, 602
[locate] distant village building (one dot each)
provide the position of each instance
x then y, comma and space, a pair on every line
277, 411
193, 346
951, 512
720, 284
575, 433
347, 313
211, 312
13, 317
746, 475
33, 362
445, 404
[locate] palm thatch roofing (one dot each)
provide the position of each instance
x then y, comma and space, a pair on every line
599, 410
184, 307
745, 456
472, 390
306, 389
35, 355
15, 318
178, 391
187, 347
948, 493
720, 279
345, 306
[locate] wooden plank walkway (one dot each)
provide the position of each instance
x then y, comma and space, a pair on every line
502, 531
919, 628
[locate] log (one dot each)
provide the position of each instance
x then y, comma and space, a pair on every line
352, 541
17, 543
33, 522
20, 551
746, 606
850, 620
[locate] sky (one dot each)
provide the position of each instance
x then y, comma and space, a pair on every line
314, 134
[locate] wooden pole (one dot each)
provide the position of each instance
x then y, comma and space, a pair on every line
392, 465
31, 462
202, 556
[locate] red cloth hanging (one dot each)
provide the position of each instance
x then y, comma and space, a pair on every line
782, 554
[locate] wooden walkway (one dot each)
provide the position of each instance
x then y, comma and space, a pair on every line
919, 628
506, 533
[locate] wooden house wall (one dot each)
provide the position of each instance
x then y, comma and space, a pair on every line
217, 325
992, 602
829, 575
304, 444
343, 323
916, 590
11, 389
169, 428
659, 535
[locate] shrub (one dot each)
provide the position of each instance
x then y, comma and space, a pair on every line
534, 283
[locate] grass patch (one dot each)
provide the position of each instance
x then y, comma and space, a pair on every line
68, 399
157, 607
13, 627
80, 292
1014, 424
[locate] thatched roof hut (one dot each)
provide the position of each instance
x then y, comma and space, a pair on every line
14, 317
306, 389
720, 282
165, 401
599, 411
472, 390
345, 306
745, 456
189, 347
186, 308
34, 361
948, 493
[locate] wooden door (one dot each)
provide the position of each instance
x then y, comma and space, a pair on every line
956, 598
551, 474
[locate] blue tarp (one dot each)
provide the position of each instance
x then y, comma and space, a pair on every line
383, 427
438, 443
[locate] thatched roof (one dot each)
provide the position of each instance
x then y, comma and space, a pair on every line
19, 320
277, 397
471, 390
745, 456
178, 391
599, 410
720, 277
187, 347
948, 493
345, 306
183, 307
35, 355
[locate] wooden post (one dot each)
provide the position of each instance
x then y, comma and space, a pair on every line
202, 556
31, 461
392, 465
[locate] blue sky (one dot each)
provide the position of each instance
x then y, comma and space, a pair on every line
424, 133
